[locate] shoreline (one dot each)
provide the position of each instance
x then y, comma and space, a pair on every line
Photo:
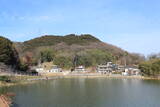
32, 79
92, 76
115, 77
5, 100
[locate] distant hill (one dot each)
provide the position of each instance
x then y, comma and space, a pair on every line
65, 48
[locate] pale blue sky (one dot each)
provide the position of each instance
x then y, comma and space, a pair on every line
133, 25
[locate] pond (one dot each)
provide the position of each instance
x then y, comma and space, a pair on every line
88, 92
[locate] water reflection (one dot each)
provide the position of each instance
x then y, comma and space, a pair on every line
88, 92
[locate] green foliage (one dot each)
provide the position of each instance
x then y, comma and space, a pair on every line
23, 66
4, 78
87, 58
50, 40
151, 67
94, 57
64, 62
101, 56
8, 54
47, 55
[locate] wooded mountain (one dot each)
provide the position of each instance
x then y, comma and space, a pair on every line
63, 50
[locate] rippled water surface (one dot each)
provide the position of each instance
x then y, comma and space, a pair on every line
88, 92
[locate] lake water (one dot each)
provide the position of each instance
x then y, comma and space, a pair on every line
88, 92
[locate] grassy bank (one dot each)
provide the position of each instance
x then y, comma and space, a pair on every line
15, 80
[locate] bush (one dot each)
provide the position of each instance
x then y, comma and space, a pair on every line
23, 67
46, 55
151, 67
4, 78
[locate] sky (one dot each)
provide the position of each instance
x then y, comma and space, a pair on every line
133, 25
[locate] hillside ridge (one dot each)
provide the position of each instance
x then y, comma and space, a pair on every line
84, 46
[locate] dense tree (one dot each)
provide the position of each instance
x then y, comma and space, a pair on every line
150, 67
23, 66
64, 62
47, 55
87, 58
8, 54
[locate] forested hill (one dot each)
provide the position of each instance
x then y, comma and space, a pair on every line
51, 40
71, 41
48, 40
88, 50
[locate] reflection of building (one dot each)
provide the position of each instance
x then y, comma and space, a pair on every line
55, 69
80, 69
